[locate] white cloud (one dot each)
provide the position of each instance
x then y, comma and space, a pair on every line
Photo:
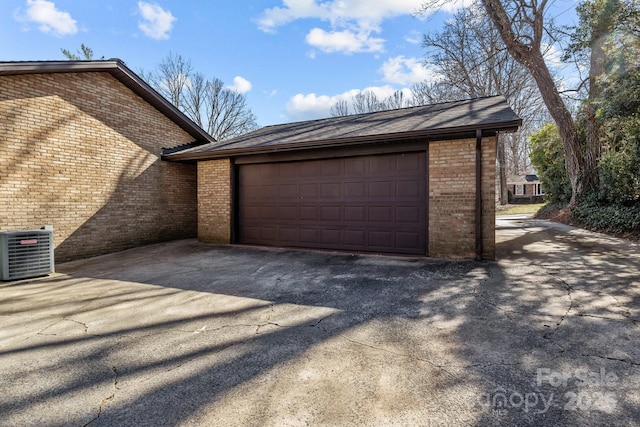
415, 37
312, 106
336, 11
156, 22
345, 41
552, 56
293, 10
51, 19
405, 71
309, 106
352, 23
240, 85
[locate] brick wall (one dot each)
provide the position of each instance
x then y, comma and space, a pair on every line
452, 198
214, 201
81, 152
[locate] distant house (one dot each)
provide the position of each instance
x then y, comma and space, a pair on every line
525, 189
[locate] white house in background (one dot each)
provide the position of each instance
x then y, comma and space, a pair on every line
525, 189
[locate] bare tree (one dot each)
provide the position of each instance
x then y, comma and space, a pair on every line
473, 62
227, 113
432, 92
340, 108
521, 25
522, 28
368, 102
172, 77
395, 101
221, 111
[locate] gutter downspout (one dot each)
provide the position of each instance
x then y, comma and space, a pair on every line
478, 195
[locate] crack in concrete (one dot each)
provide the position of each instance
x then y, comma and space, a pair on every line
549, 335
42, 331
84, 325
106, 399
595, 316
186, 362
614, 359
385, 350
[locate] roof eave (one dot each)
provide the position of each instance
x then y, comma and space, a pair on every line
510, 126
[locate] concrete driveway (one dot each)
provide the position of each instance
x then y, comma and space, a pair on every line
185, 333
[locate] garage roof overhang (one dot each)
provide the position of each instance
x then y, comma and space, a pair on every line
452, 120
122, 73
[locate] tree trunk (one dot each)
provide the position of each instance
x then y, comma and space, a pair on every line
530, 55
566, 127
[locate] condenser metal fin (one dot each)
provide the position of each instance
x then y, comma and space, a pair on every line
25, 254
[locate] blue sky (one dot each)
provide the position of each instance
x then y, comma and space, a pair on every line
291, 58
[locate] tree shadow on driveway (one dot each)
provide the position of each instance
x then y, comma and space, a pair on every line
186, 333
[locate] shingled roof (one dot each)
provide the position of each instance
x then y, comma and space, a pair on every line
121, 72
491, 114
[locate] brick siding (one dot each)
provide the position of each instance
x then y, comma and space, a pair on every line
452, 198
80, 151
214, 201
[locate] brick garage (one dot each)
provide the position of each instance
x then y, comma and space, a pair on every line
293, 184
81, 148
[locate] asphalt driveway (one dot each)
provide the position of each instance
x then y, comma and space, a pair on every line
185, 333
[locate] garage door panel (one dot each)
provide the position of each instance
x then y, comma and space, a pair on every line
381, 239
289, 170
308, 213
330, 213
288, 212
355, 166
289, 191
355, 238
330, 168
331, 190
251, 234
355, 213
332, 237
407, 240
251, 212
308, 191
366, 203
407, 188
408, 214
288, 235
269, 233
269, 212
407, 163
380, 214
355, 189
269, 192
380, 189
308, 235
308, 169
381, 165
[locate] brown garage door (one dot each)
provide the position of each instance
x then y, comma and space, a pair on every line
366, 203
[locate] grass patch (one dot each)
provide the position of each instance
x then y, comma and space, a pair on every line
518, 209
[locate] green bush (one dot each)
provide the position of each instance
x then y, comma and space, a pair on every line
547, 155
619, 165
610, 218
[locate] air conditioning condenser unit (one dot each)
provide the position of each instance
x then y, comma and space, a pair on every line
25, 254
